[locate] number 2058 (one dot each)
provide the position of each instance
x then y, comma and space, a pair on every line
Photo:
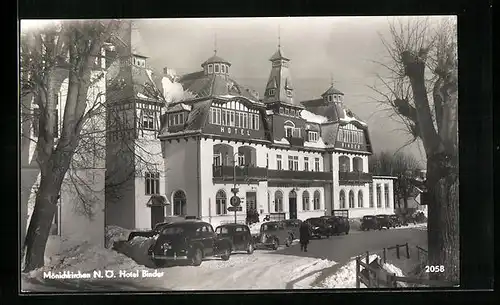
434, 269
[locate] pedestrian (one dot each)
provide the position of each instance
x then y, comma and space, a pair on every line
305, 236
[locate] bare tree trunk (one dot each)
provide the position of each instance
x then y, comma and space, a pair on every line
39, 228
443, 221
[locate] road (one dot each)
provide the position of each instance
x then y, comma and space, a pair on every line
341, 248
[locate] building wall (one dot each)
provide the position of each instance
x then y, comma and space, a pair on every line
181, 171
74, 218
273, 152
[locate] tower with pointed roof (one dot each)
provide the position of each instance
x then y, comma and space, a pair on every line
279, 87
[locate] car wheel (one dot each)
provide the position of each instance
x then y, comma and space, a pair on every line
226, 255
346, 232
250, 248
197, 257
159, 263
276, 244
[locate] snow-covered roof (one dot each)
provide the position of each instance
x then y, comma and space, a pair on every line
317, 144
312, 117
282, 141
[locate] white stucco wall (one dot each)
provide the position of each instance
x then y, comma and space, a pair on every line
284, 157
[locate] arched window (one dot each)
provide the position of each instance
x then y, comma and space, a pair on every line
370, 192
357, 164
360, 199
289, 127
342, 199
351, 199
179, 203
278, 201
221, 203
305, 201
344, 165
317, 205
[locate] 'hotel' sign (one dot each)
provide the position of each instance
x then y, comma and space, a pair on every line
229, 130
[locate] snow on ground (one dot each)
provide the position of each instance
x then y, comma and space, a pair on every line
313, 271
345, 277
114, 234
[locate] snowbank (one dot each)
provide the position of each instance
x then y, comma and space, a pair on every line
114, 234
137, 249
310, 272
345, 277
312, 117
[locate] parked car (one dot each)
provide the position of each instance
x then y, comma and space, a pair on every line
396, 221
369, 222
158, 227
339, 224
188, 241
384, 220
320, 227
272, 234
293, 226
239, 236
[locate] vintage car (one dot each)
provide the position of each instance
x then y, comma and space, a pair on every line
239, 236
339, 224
384, 221
272, 234
396, 220
189, 241
320, 227
293, 226
157, 228
369, 222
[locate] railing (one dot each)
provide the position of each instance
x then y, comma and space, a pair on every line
226, 173
355, 177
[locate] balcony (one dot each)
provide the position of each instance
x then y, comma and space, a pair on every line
355, 178
255, 174
299, 175
225, 173
295, 141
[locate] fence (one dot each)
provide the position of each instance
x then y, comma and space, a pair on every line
376, 277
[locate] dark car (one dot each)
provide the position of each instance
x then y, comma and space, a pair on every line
272, 234
369, 222
293, 226
339, 224
239, 236
188, 241
384, 220
320, 227
158, 227
396, 221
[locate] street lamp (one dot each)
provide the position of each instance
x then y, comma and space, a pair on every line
235, 190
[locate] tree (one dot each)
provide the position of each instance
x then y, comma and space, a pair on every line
421, 88
60, 50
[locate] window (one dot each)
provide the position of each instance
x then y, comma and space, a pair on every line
317, 205
342, 199
256, 116
217, 159
148, 120
222, 68
152, 183
386, 196
292, 112
220, 203
329, 98
357, 164
223, 116
313, 136
370, 194
289, 127
341, 135
267, 160
287, 111
210, 68
296, 132
289, 93
222, 230
351, 199
245, 120
231, 118
290, 163
217, 68
237, 119
271, 92
176, 119
241, 160
278, 201
379, 196
344, 165
334, 98
295, 163
216, 116
179, 203
306, 164
305, 201
360, 199
279, 162
316, 164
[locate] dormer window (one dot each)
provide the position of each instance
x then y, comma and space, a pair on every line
223, 68
335, 98
140, 62
287, 111
292, 112
341, 98
329, 98
271, 92
217, 68
210, 69
176, 119
313, 136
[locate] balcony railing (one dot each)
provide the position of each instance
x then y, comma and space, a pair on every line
225, 173
299, 175
355, 177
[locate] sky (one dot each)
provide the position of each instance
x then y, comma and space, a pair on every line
344, 49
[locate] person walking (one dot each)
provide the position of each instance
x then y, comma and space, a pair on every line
305, 236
